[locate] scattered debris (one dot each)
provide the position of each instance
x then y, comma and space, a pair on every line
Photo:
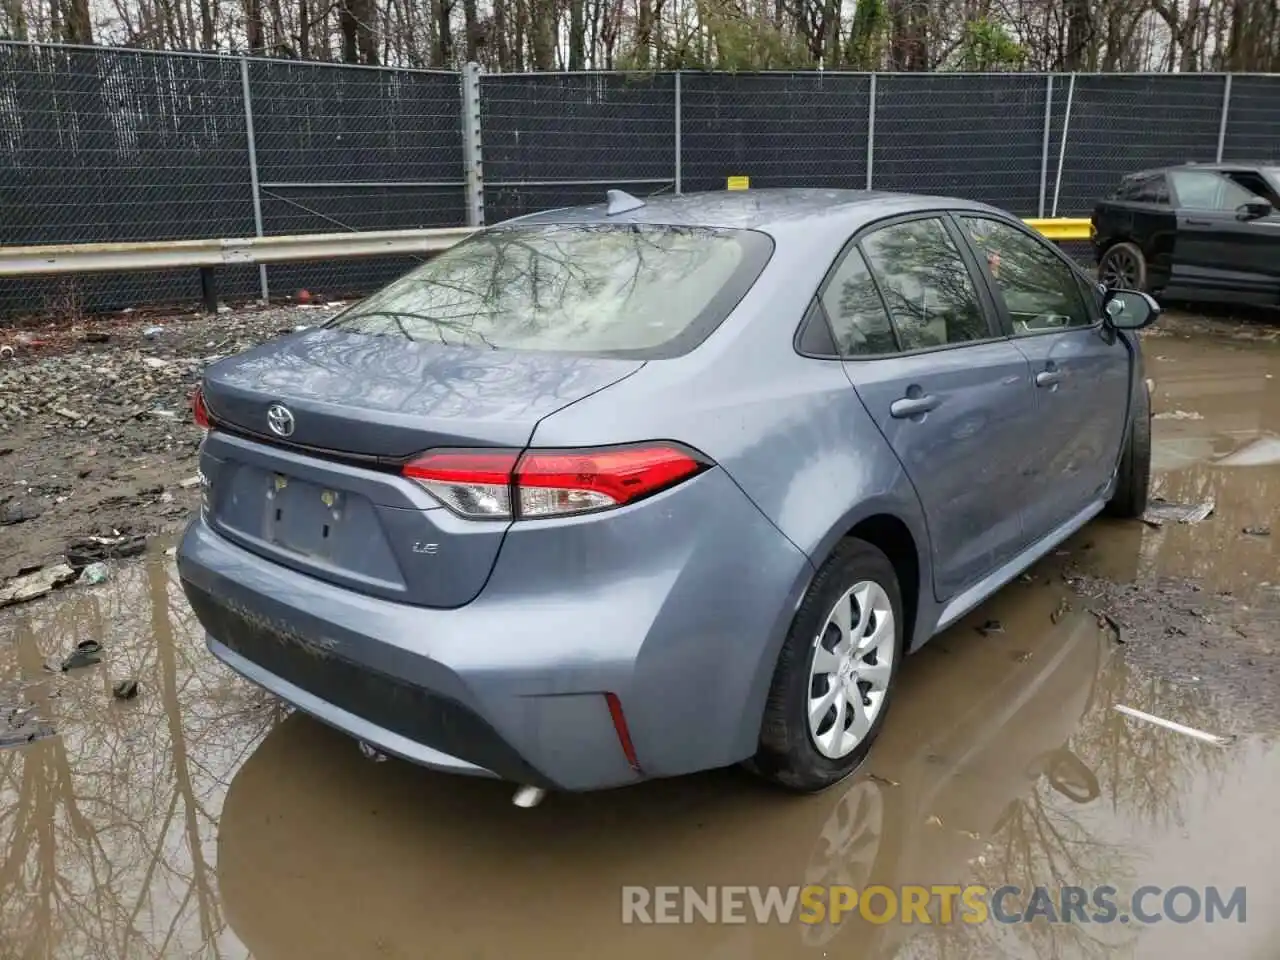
25, 735
370, 752
190, 482
1022, 656
152, 332
1259, 531
988, 627
934, 820
7, 352
1160, 512
37, 584
83, 551
94, 573
97, 336
1178, 415
885, 780
18, 511
1063, 608
86, 654
1175, 727
125, 689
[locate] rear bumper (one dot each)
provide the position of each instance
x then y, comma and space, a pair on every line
512, 685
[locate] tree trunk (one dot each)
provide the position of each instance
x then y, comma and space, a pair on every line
444, 34
347, 27
500, 34
1079, 33
472, 25
577, 36
644, 33
542, 36
367, 31
253, 25
304, 27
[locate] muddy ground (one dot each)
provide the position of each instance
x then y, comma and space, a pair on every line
96, 435
154, 805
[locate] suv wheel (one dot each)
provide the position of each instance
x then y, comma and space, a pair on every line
1134, 479
1123, 267
835, 672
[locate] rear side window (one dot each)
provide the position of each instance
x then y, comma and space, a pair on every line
636, 290
926, 285
1149, 189
859, 321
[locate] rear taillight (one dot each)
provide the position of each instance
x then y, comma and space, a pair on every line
199, 411
505, 484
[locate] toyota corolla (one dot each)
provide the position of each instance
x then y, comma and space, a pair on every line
650, 487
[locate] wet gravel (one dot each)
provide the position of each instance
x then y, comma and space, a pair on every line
96, 436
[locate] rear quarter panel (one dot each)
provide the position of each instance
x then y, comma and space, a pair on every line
789, 430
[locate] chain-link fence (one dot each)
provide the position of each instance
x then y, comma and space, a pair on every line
111, 145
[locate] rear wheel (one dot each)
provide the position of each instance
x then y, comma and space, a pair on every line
1123, 266
1134, 479
835, 672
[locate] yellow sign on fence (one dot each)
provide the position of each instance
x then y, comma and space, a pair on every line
738, 183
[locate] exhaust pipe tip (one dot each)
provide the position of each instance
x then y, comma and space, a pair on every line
528, 797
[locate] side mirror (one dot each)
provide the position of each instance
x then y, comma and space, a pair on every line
1253, 210
1130, 309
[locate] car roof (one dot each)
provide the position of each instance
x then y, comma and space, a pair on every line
759, 209
1209, 167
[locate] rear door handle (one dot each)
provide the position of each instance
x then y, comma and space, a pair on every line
1048, 378
913, 406
1196, 222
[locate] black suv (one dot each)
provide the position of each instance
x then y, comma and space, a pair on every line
1194, 232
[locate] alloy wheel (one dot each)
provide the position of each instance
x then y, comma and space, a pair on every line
1120, 269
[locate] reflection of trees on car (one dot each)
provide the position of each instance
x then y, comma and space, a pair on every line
1035, 284
568, 285
926, 284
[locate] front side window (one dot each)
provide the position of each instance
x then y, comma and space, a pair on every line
1206, 190
926, 285
1040, 291
639, 290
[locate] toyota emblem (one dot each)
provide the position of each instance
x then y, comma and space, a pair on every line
280, 420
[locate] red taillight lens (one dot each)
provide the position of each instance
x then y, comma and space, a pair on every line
199, 411
554, 483
503, 484
471, 483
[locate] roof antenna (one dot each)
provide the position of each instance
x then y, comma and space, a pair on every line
621, 202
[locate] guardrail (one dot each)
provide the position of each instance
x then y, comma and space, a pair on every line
1063, 228
208, 255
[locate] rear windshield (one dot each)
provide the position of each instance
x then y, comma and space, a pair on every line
637, 290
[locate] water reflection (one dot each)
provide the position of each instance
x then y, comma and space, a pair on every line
1004, 763
107, 829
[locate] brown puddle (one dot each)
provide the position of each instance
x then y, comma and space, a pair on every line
199, 819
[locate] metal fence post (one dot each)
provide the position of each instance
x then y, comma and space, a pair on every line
1044, 146
253, 169
472, 159
871, 129
1062, 147
678, 125
1222, 124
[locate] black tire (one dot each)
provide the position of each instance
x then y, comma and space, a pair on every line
1134, 481
1124, 266
787, 755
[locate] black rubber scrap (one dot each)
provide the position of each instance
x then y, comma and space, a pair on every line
83, 551
125, 689
86, 654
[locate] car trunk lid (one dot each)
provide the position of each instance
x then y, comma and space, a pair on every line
326, 497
